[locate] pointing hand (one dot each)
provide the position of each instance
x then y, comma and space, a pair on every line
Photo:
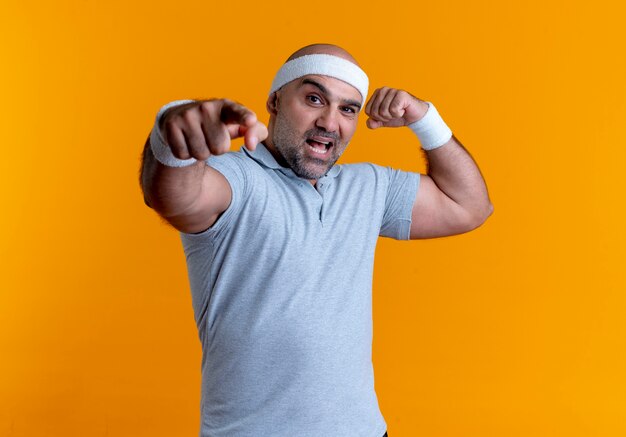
204, 128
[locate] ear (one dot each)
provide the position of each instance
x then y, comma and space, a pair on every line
272, 103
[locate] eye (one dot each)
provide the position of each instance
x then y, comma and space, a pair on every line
313, 98
348, 110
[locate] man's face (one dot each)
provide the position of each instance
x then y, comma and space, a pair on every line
316, 118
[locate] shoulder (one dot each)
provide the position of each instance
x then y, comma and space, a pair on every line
237, 166
234, 158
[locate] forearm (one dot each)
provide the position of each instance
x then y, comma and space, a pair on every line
456, 173
169, 190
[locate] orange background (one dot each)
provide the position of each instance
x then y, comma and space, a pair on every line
515, 329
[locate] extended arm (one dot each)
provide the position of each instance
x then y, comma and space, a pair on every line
452, 197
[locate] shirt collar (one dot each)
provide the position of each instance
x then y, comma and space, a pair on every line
265, 158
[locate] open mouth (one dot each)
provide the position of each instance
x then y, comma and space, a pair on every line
319, 146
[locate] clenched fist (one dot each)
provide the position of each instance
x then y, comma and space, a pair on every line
391, 107
204, 128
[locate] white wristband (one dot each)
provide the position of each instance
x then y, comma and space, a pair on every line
431, 130
160, 149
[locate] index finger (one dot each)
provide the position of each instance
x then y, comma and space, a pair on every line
235, 113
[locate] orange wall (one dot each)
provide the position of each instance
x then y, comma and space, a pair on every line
515, 329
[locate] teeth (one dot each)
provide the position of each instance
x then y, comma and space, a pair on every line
316, 150
326, 143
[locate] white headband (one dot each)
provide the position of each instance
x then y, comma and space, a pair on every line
325, 65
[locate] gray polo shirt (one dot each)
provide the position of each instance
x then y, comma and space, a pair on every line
282, 295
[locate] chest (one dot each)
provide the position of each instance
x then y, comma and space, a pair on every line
290, 217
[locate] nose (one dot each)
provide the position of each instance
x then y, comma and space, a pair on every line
327, 120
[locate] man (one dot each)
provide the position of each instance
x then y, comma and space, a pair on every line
280, 242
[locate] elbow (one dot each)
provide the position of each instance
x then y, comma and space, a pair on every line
480, 216
489, 211
486, 213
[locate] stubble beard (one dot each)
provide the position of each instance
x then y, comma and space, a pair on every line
291, 145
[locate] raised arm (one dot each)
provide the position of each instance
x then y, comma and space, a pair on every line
192, 196
452, 197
